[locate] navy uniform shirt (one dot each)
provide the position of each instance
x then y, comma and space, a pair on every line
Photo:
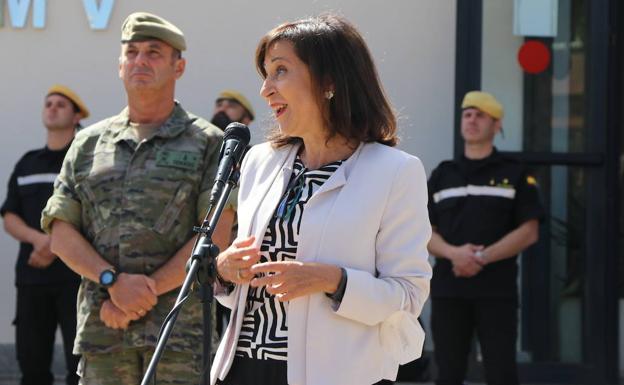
479, 202
29, 188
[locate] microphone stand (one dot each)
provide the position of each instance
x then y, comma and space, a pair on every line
200, 266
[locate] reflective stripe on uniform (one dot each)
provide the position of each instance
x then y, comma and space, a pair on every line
36, 178
493, 191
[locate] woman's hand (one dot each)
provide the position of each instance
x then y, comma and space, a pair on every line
233, 265
291, 279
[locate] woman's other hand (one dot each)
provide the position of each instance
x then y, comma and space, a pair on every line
292, 279
233, 265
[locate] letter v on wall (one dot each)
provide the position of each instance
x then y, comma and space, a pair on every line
98, 15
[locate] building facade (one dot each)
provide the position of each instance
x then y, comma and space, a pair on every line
76, 43
563, 118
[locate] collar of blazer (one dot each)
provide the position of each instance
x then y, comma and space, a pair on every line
272, 172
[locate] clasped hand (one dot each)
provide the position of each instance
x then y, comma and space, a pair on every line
115, 318
41, 256
131, 297
466, 262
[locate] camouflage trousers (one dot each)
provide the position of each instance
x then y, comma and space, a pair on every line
128, 366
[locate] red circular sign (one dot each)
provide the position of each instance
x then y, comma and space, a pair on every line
534, 56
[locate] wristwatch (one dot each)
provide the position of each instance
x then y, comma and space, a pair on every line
108, 277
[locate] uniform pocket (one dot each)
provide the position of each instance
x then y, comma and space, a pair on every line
446, 212
497, 203
30, 189
91, 216
172, 210
497, 207
447, 204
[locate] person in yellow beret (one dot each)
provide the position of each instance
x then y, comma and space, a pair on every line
232, 106
484, 209
46, 287
122, 214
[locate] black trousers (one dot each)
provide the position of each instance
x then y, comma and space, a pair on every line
453, 322
39, 310
247, 371
223, 314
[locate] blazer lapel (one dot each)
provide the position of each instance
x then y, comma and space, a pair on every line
339, 177
271, 190
263, 202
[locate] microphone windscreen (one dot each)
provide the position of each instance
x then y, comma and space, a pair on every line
239, 131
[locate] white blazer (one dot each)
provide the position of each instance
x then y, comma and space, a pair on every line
369, 217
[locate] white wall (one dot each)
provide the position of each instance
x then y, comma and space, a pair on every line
500, 72
413, 42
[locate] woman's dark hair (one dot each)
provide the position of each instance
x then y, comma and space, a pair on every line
337, 55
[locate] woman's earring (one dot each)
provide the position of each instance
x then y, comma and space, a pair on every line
329, 94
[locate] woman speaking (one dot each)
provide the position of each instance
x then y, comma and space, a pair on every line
329, 271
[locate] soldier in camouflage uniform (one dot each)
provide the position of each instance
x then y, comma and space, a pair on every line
124, 205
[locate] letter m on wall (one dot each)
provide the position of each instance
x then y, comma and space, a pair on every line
18, 12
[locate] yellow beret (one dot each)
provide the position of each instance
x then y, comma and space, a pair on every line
485, 102
71, 95
231, 94
141, 26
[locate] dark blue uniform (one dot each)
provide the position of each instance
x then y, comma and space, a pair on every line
478, 202
45, 297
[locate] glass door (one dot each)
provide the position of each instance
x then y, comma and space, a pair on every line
549, 125
544, 113
554, 122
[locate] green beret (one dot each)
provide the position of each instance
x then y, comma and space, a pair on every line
141, 26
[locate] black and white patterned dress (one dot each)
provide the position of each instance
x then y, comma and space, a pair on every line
264, 333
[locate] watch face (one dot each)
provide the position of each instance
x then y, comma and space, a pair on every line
107, 278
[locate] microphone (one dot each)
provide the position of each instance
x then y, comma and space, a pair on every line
235, 140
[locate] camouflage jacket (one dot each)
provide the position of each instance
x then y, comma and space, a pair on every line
136, 203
